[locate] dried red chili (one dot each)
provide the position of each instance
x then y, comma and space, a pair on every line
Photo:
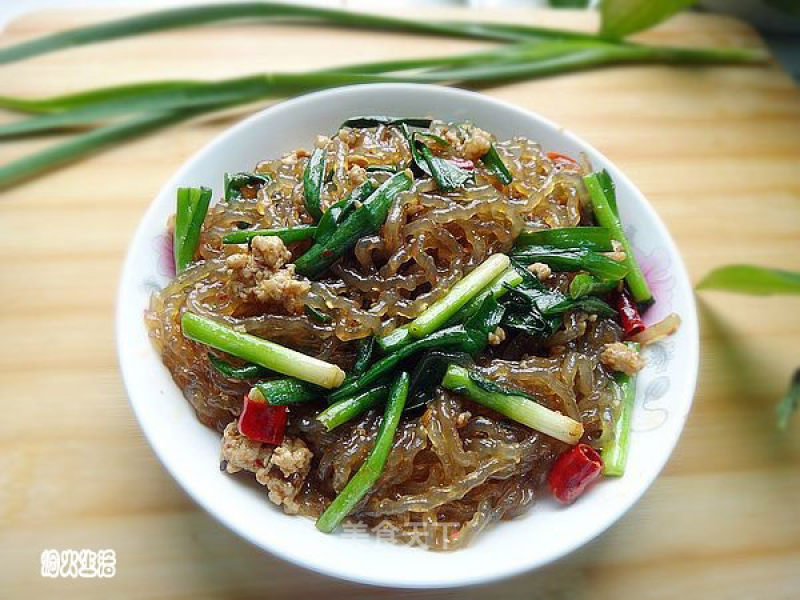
629, 316
262, 422
573, 471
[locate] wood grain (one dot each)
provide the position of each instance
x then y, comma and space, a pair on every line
716, 150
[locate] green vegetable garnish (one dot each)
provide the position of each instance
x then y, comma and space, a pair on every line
496, 166
514, 405
313, 179
604, 203
189, 216
260, 351
289, 235
369, 472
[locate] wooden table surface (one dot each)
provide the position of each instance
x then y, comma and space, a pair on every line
717, 152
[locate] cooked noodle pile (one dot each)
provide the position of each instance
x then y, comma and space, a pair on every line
454, 463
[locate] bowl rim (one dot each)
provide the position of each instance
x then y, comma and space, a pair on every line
690, 321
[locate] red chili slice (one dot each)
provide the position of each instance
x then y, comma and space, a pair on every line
573, 471
562, 158
262, 422
629, 316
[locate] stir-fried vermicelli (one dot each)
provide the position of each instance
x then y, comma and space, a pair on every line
380, 261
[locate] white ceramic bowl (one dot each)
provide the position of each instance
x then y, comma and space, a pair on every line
190, 451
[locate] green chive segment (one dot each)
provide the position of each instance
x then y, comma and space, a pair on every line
604, 202
189, 216
517, 407
462, 292
286, 391
496, 166
261, 352
288, 235
313, 179
365, 220
369, 472
615, 453
349, 408
590, 238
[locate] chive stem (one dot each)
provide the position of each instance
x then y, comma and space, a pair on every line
261, 352
192, 206
370, 471
516, 407
615, 454
603, 198
349, 408
462, 292
288, 235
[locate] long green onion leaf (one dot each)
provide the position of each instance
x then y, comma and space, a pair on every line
261, 352
191, 212
84, 145
750, 279
214, 13
369, 472
517, 407
288, 235
603, 198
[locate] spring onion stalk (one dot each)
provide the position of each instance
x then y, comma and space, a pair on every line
591, 238
364, 220
189, 216
510, 278
398, 338
615, 453
516, 407
215, 13
496, 165
284, 391
338, 211
454, 337
261, 352
313, 178
584, 284
288, 235
84, 145
601, 194
572, 259
369, 472
401, 336
436, 315
349, 408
